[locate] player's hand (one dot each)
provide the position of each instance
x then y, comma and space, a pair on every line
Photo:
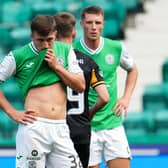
24, 117
51, 59
121, 107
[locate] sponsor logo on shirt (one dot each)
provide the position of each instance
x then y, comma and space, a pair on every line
34, 156
19, 157
29, 65
80, 61
34, 152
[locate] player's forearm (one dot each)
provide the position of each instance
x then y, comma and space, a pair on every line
130, 82
5, 105
97, 106
74, 81
101, 101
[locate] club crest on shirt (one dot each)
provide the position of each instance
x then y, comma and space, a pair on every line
109, 59
60, 60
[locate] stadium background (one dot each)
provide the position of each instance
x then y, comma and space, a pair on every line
141, 25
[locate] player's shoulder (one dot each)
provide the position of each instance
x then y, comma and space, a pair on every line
76, 42
79, 53
82, 55
19, 52
115, 43
58, 44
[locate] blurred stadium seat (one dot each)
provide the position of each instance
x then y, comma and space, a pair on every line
161, 120
154, 97
2, 53
15, 12
12, 91
8, 127
112, 29
138, 125
47, 8
165, 70
8, 130
19, 36
5, 36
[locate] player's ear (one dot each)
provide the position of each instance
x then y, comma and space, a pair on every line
73, 33
81, 23
55, 34
31, 35
103, 23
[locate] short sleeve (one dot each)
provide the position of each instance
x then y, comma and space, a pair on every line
126, 60
7, 67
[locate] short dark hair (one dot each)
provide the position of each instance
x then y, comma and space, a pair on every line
92, 10
43, 24
65, 23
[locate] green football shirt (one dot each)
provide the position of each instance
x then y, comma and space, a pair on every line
107, 56
25, 58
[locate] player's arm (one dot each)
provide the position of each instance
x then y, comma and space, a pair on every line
100, 87
73, 77
103, 98
128, 64
7, 68
21, 117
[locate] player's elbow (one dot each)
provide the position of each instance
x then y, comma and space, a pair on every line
81, 85
105, 99
81, 88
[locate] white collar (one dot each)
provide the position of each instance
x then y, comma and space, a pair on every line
89, 50
33, 47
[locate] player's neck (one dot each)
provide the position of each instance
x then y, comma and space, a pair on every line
92, 44
65, 40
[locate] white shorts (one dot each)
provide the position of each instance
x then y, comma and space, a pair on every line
108, 144
45, 143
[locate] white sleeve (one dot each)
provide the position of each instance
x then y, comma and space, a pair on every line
73, 65
7, 67
126, 61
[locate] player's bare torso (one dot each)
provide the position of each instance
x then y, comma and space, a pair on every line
47, 101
